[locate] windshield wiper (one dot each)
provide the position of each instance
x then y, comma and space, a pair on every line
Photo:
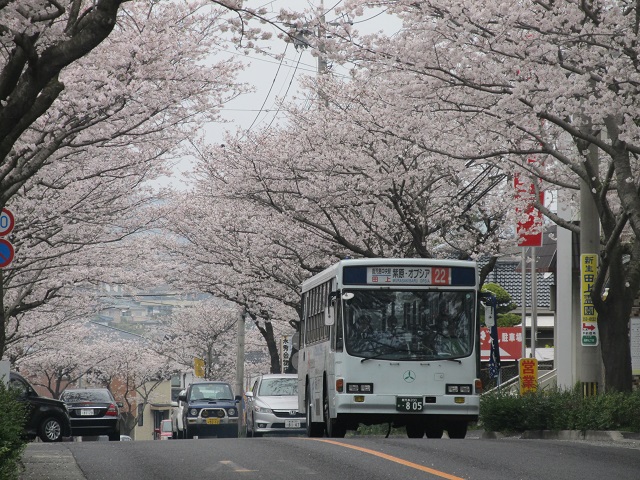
456, 359
390, 352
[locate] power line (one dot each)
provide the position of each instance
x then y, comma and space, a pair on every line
285, 93
269, 92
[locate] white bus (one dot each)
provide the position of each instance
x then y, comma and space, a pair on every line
390, 341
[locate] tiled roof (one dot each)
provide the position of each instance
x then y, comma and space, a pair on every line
507, 274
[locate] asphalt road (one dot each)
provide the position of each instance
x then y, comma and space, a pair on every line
355, 458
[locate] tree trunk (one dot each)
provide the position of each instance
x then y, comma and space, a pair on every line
613, 326
269, 337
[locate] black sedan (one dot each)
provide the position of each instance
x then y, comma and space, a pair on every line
93, 412
46, 418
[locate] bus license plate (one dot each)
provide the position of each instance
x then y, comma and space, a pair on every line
292, 423
213, 421
409, 404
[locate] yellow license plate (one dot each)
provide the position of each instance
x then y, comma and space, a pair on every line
213, 421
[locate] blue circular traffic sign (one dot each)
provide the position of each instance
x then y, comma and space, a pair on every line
7, 222
6, 253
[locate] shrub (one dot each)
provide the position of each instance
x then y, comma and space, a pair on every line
559, 410
12, 439
504, 306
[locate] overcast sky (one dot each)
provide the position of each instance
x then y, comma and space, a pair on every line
271, 79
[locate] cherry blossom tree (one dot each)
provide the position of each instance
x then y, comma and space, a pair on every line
458, 101
57, 362
206, 330
270, 209
547, 81
118, 124
42, 39
133, 372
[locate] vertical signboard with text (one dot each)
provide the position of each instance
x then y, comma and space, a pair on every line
529, 228
588, 314
198, 367
285, 349
528, 375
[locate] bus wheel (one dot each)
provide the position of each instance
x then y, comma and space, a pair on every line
415, 430
457, 429
334, 428
433, 430
314, 429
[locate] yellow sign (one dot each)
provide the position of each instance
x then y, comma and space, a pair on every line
528, 375
198, 367
588, 314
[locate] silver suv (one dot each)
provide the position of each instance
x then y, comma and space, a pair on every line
272, 406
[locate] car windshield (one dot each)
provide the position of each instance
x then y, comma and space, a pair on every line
74, 396
278, 387
409, 325
211, 391
166, 426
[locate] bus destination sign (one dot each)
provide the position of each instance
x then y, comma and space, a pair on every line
410, 275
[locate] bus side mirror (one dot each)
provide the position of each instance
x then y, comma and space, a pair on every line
328, 318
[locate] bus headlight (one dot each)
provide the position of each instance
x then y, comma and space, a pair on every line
464, 389
359, 387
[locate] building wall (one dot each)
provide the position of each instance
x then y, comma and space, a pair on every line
157, 408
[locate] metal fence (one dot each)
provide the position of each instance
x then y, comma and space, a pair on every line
508, 371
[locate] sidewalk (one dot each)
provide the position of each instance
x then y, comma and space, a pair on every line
49, 461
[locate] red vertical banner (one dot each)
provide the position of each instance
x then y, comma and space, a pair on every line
529, 228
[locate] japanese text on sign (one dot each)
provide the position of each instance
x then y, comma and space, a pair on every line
588, 314
528, 375
285, 348
409, 275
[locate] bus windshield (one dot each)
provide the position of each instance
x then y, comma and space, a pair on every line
409, 324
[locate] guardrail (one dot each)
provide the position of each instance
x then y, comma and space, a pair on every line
546, 379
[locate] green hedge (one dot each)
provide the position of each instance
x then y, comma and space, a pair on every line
12, 439
560, 410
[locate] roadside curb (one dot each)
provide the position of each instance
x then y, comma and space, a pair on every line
589, 435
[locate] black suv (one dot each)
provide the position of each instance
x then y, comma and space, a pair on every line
210, 409
46, 418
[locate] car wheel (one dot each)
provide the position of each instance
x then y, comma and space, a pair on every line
415, 430
254, 433
188, 434
433, 430
457, 429
314, 429
334, 428
114, 436
249, 427
51, 430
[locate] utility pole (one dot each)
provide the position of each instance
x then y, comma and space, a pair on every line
567, 322
240, 368
588, 358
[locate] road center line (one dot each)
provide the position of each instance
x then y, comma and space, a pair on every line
391, 458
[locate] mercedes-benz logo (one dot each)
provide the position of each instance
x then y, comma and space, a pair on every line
409, 376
